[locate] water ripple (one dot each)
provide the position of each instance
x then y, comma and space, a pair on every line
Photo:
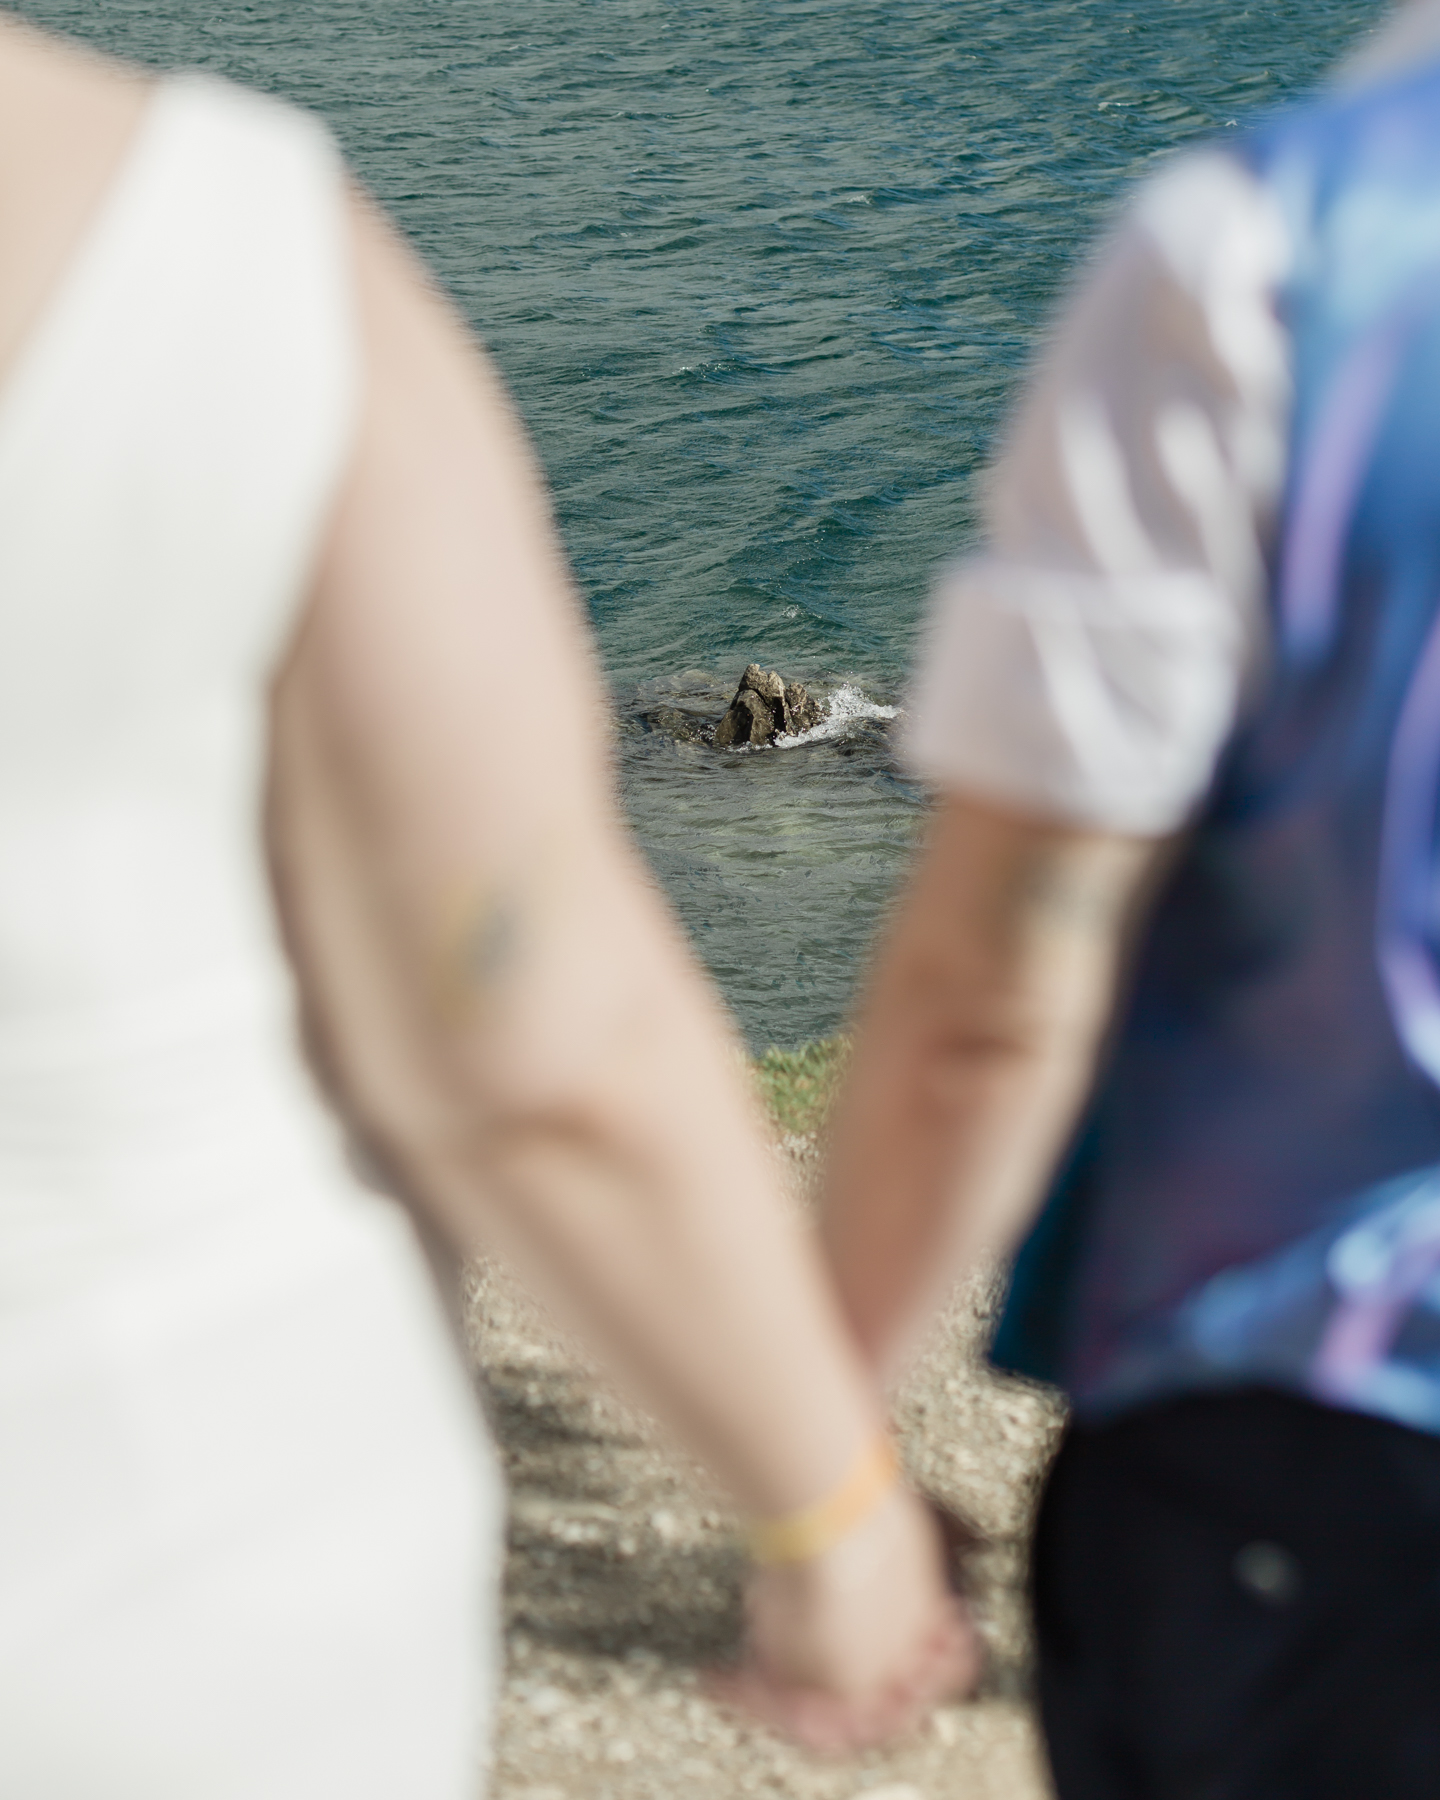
763, 279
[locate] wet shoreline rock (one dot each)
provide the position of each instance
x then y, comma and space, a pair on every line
766, 707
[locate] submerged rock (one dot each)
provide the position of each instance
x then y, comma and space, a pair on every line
765, 707
684, 727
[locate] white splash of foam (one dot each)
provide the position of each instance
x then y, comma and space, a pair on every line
846, 705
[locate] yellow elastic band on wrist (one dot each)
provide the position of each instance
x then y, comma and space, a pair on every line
798, 1536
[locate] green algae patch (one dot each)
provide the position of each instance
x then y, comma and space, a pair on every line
797, 1086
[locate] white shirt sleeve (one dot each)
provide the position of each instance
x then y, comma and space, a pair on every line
1090, 665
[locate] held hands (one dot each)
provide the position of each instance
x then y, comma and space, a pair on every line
855, 1645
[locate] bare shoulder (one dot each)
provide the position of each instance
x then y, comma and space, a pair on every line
66, 119
62, 67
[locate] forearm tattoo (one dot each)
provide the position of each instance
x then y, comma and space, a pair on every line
479, 952
1088, 896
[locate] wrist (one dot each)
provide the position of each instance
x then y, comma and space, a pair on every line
809, 1532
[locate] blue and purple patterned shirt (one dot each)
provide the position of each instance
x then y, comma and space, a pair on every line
1210, 602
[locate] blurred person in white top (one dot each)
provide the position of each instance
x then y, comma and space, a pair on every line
267, 527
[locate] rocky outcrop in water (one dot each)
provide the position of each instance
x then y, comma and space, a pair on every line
765, 707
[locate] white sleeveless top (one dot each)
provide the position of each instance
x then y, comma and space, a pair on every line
169, 444
217, 1354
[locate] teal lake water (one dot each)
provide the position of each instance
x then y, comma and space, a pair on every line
762, 278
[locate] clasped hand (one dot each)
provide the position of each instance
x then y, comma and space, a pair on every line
853, 1647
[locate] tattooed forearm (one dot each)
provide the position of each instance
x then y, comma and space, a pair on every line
479, 952
490, 945
1090, 885
1087, 894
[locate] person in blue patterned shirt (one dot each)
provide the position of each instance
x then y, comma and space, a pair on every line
1176, 935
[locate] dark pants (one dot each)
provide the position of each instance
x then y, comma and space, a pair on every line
1238, 1598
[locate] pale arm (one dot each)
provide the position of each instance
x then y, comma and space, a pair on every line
1086, 670
505, 1003
975, 1048
501, 999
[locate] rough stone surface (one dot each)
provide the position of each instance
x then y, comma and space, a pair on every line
624, 1577
749, 720
804, 711
764, 682
765, 707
